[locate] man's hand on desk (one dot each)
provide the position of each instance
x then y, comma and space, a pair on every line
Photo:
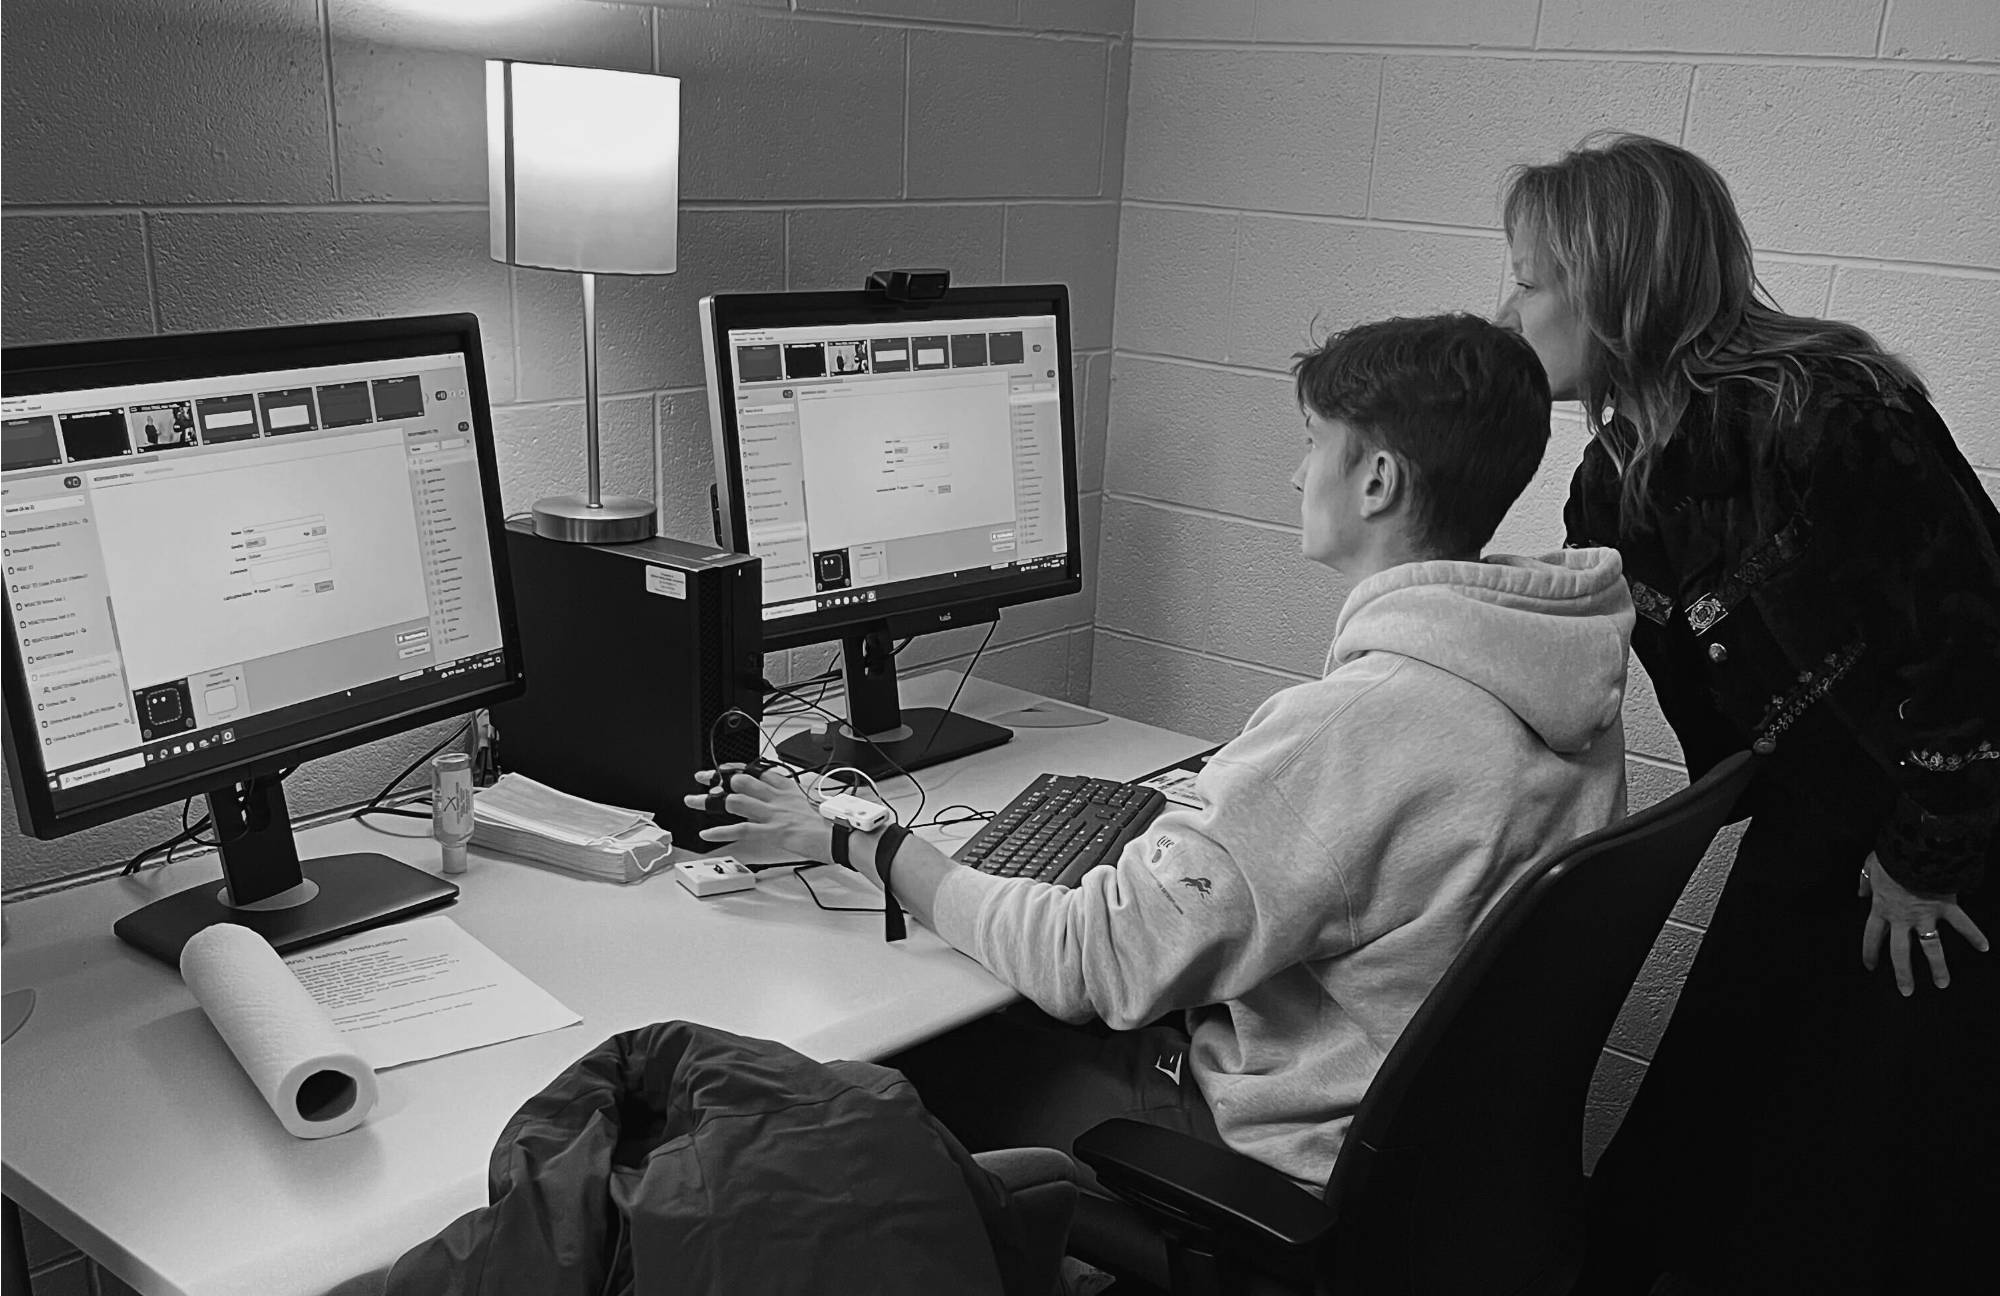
777, 814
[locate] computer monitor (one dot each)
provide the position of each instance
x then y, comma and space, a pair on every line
899, 467
230, 553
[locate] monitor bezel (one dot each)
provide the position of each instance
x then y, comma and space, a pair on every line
47, 367
925, 610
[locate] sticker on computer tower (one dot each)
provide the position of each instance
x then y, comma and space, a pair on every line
667, 581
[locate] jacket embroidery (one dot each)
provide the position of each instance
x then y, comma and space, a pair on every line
1940, 763
1812, 685
1704, 612
1650, 603
1756, 567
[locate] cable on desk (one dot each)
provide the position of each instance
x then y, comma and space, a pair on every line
187, 834
374, 805
799, 872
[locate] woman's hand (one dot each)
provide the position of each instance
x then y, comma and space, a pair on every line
1904, 916
776, 815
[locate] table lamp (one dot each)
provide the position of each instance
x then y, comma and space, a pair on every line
583, 166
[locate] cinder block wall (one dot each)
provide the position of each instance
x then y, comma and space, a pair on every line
1295, 166
175, 165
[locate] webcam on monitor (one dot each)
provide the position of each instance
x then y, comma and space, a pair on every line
909, 285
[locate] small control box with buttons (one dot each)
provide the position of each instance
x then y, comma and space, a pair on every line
718, 875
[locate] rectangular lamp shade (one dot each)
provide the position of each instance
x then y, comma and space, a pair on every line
583, 166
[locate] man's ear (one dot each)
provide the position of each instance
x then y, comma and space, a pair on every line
1385, 484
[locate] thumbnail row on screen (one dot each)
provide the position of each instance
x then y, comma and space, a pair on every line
38, 440
776, 361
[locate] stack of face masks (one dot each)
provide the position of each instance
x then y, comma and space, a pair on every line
520, 817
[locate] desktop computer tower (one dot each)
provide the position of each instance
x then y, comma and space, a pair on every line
633, 652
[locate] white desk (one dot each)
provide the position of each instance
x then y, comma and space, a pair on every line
130, 1129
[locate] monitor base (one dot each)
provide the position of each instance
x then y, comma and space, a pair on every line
355, 892
935, 736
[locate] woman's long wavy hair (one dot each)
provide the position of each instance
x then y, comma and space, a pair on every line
1644, 241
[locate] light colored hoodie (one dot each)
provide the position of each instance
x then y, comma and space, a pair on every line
1352, 837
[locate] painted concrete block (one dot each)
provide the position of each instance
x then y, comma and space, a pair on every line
1713, 26
1166, 686
1697, 902
1649, 781
1611, 1091
1452, 126
1991, 481
1272, 606
776, 108
541, 452
1641, 1021
1943, 29
1082, 646
1105, 17
1155, 578
1857, 162
1646, 729
1072, 243
1535, 524
239, 270
1277, 130
28, 860
1298, 281
1117, 118
836, 247
224, 102
1798, 287
1494, 23
409, 85
1093, 418
1174, 271
1192, 20
685, 451
1039, 665
1012, 116
648, 332
1205, 438
1945, 324
65, 277
989, 13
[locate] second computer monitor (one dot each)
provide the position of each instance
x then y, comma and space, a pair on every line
899, 467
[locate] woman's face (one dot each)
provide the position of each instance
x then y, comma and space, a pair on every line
1540, 312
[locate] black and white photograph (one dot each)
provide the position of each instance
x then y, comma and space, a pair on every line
162, 427
1010, 647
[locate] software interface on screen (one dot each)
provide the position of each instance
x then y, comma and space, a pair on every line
193, 564
885, 459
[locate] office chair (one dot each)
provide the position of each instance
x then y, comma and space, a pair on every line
1462, 1169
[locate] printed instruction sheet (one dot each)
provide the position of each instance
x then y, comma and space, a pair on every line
423, 989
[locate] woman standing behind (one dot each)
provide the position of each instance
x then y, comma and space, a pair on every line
1817, 572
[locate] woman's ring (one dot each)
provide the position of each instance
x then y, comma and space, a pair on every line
1929, 935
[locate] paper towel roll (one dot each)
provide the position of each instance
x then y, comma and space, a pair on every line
314, 1081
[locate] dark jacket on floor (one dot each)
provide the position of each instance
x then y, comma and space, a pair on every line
677, 1158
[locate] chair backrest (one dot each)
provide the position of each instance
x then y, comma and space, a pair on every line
1462, 1170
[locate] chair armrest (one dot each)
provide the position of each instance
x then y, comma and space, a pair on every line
1199, 1183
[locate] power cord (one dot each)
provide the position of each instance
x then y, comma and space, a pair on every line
375, 805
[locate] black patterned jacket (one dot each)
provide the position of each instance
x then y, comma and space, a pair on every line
1848, 563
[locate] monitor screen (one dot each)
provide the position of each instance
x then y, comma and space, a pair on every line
888, 461
899, 467
233, 553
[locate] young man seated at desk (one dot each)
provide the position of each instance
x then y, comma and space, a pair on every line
1352, 835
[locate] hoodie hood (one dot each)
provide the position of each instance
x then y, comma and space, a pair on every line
1546, 636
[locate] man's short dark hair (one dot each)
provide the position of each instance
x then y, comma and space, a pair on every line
1462, 402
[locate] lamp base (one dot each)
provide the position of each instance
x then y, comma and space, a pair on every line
614, 519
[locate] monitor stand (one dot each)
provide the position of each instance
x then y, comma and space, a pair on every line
881, 738
267, 888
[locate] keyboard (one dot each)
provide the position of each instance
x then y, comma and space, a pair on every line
1060, 827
